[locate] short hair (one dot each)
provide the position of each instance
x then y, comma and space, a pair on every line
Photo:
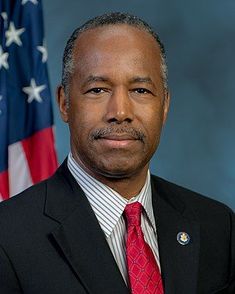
113, 18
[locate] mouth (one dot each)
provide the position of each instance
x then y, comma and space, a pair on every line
117, 140
118, 137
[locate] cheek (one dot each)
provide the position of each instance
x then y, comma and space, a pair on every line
151, 117
82, 120
153, 123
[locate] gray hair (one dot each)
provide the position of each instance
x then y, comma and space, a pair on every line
113, 18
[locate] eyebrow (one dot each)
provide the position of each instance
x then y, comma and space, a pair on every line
92, 79
141, 80
146, 80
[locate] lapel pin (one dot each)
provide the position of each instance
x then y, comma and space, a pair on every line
183, 238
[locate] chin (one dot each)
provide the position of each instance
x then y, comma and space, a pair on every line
118, 171
116, 174
115, 167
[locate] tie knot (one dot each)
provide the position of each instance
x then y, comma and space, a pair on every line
133, 214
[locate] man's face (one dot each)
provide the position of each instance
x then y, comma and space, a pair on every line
117, 102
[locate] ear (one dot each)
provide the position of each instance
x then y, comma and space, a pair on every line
62, 104
166, 105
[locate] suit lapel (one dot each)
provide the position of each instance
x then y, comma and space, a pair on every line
179, 263
80, 237
84, 247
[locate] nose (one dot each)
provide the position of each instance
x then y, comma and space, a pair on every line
119, 107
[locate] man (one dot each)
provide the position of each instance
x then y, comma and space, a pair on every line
102, 224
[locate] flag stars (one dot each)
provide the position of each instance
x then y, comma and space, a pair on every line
35, 2
5, 18
3, 59
13, 35
33, 91
4, 15
43, 50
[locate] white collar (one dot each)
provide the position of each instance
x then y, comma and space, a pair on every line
107, 204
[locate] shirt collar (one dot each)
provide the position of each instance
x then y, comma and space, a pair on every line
107, 204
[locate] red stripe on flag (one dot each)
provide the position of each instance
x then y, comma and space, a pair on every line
40, 153
4, 186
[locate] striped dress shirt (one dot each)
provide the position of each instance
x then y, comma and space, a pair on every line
109, 206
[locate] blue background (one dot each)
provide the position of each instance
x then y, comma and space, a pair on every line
198, 144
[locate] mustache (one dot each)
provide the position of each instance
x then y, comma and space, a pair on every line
111, 130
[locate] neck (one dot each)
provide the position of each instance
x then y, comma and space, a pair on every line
127, 186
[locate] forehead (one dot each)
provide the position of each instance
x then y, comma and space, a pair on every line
116, 36
114, 49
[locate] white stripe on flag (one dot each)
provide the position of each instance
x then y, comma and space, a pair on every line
19, 174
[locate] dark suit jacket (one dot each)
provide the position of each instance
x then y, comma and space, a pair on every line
51, 242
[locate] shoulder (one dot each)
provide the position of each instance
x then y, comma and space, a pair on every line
31, 194
28, 209
32, 198
215, 220
195, 203
27, 202
27, 205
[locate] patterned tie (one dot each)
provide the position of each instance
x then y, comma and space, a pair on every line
143, 270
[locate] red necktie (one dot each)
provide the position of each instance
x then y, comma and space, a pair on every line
143, 270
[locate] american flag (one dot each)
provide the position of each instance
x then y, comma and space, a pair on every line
27, 153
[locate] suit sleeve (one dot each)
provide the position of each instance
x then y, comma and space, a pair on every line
8, 280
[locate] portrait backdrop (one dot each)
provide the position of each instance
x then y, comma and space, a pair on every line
197, 148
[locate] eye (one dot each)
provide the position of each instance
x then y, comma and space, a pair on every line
141, 91
96, 91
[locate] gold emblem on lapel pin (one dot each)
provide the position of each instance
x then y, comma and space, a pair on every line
183, 238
